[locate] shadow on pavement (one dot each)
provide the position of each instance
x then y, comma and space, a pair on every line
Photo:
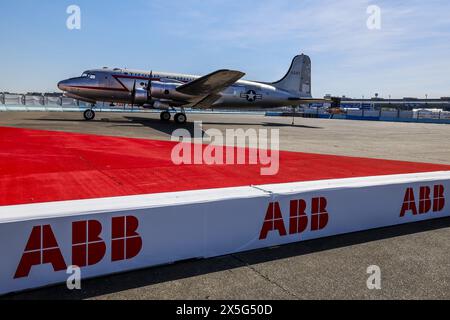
168, 127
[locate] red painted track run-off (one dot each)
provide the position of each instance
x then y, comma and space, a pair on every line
45, 166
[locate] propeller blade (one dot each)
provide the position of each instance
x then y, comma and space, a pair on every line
133, 94
149, 85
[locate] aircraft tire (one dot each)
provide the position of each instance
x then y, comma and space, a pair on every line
89, 115
180, 118
165, 116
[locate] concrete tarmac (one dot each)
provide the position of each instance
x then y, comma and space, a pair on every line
414, 258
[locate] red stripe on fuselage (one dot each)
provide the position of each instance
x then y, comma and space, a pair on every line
134, 77
101, 88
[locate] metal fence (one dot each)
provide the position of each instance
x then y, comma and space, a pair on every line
35, 102
24, 102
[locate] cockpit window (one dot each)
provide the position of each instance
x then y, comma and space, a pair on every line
88, 75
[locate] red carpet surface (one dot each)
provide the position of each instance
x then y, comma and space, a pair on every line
44, 166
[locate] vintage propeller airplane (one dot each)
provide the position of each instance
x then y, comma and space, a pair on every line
169, 91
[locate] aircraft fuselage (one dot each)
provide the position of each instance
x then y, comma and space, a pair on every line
116, 86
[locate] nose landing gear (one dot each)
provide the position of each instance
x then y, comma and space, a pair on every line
89, 115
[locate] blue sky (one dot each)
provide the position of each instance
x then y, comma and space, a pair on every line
409, 56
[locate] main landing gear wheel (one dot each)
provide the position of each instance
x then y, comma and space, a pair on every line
180, 118
89, 114
165, 116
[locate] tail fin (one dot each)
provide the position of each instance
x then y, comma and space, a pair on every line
298, 78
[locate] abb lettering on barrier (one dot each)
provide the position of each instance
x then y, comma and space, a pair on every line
426, 203
298, 219
88, 247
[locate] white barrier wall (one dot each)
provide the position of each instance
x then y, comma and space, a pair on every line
406, 114
371, 113
103, 236
389, 114
356, 113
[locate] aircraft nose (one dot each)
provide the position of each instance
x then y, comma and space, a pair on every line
62, 85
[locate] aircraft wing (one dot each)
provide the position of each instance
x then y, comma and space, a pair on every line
211, 84
205, 102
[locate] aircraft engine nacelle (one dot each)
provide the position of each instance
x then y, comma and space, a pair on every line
161, 105
161, 90
140, 97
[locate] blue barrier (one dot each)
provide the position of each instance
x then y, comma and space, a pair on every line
363, 118
274, 114
339, 116
368, 118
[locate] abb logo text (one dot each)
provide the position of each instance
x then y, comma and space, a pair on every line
425, 203
298, 219
88, 247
